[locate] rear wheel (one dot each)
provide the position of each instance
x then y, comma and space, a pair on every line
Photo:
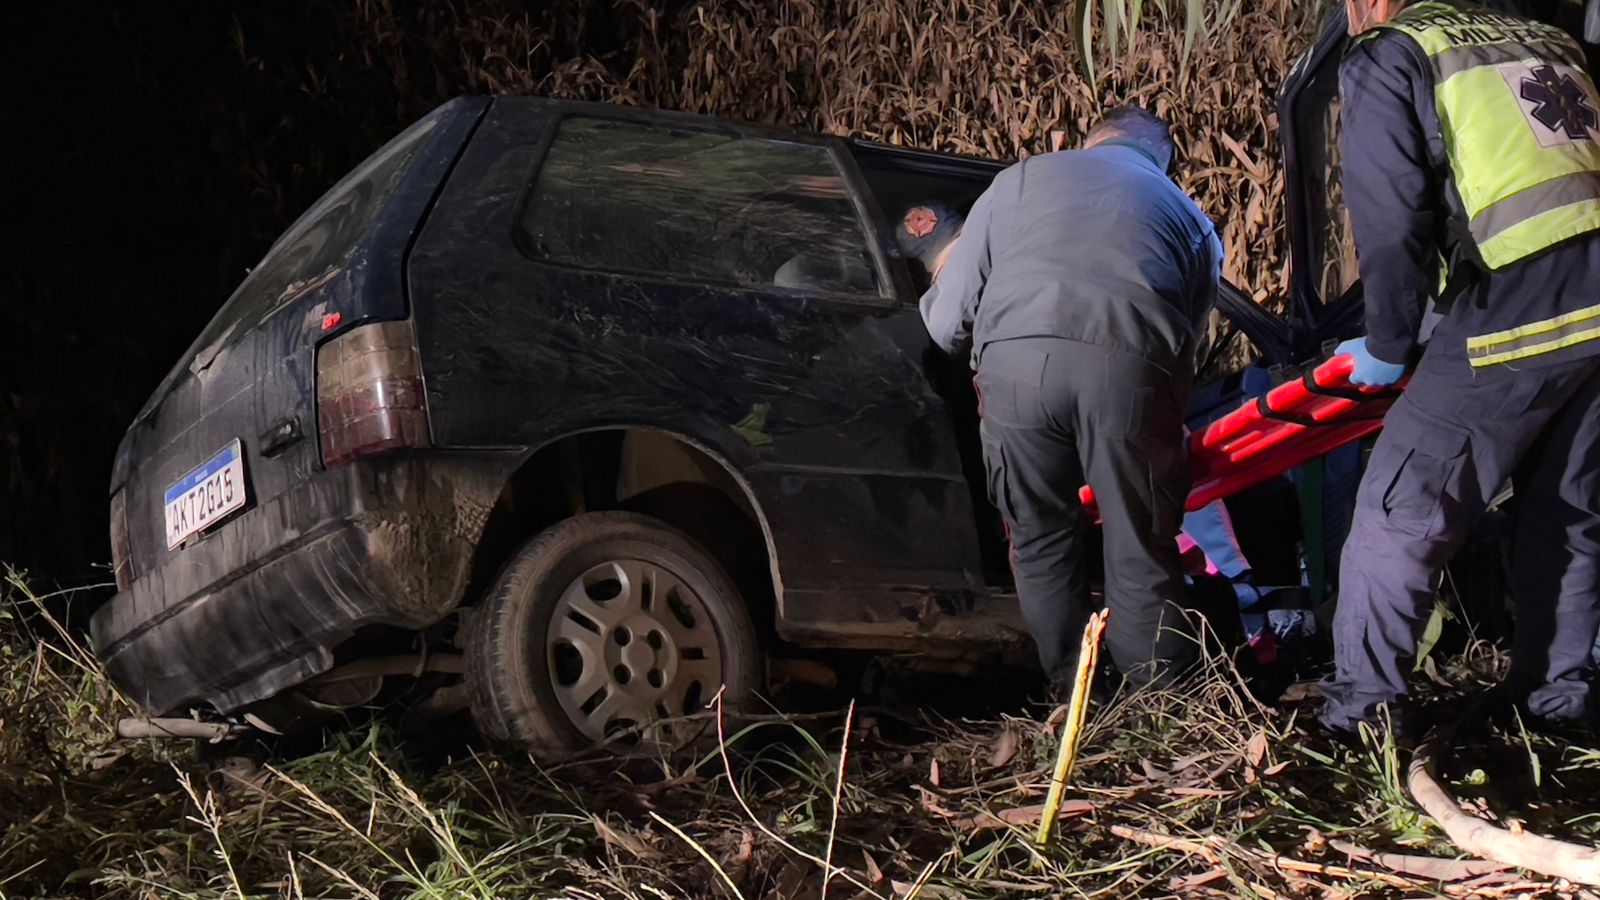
609, 627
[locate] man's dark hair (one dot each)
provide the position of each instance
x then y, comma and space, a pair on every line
1135, 125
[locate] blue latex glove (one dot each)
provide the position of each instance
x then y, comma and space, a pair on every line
1370, 370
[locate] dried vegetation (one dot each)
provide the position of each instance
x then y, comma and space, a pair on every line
1198, 791
1000, 80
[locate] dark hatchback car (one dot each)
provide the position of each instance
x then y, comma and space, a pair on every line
582, 412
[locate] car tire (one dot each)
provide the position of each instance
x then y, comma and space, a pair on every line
602, 621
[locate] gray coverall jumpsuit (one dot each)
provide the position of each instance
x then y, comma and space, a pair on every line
1458, 433
1082, 278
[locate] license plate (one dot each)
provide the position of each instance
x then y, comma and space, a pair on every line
205, 496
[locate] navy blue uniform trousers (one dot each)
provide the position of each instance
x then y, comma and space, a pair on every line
1448, 445
1057, 412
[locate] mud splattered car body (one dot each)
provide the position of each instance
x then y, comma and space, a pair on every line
522, 311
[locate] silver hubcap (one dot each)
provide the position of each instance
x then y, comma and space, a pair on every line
631, 645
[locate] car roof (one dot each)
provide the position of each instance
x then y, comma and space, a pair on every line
914, 158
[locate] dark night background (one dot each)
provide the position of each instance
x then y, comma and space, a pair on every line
153, 152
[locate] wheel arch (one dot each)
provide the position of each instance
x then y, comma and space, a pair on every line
630, 467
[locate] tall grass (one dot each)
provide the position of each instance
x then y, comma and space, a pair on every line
1100, 37
1193, 791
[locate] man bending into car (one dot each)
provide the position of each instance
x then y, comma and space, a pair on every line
1082, 278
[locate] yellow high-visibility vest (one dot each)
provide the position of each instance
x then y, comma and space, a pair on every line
1520, 126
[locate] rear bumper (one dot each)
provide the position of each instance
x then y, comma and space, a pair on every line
260, 605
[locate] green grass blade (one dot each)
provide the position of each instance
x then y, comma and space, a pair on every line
1430, 635
1194, 23
1110, 23
733, 886
1527, 744
1083, 37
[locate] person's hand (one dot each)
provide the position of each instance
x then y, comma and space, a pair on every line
1370, 371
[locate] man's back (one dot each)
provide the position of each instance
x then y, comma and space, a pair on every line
1098, 246
1081, 278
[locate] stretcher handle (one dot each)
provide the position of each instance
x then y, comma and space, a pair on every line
1332, 373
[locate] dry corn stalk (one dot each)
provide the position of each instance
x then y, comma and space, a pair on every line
970, 76
1072, 728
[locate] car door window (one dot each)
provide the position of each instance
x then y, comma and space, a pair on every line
701, 206
901, 180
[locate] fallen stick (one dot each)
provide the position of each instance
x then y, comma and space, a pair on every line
1212, 849
140, 728
1290, 864
1193, 848
1509, 888
1526, 850
1166, 842
1429, 867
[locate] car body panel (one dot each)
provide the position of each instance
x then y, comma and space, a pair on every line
250, 377
383, 541
851, 438
821, 402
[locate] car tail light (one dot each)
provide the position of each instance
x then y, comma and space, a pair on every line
121, 554
369, 393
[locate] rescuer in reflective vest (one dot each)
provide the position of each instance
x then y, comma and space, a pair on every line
1471, 136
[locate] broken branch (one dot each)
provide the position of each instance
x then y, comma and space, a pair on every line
1523, 849
1429, 867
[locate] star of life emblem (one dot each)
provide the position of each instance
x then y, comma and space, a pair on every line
1558, 102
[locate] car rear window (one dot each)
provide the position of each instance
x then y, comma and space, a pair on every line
316, 245
697, 206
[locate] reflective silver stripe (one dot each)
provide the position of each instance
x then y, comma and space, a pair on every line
1524, 205
1539, 337
1455, 60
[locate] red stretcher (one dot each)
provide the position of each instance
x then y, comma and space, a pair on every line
1290, 425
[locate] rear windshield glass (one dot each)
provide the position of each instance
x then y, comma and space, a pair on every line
315, 247
697, 206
